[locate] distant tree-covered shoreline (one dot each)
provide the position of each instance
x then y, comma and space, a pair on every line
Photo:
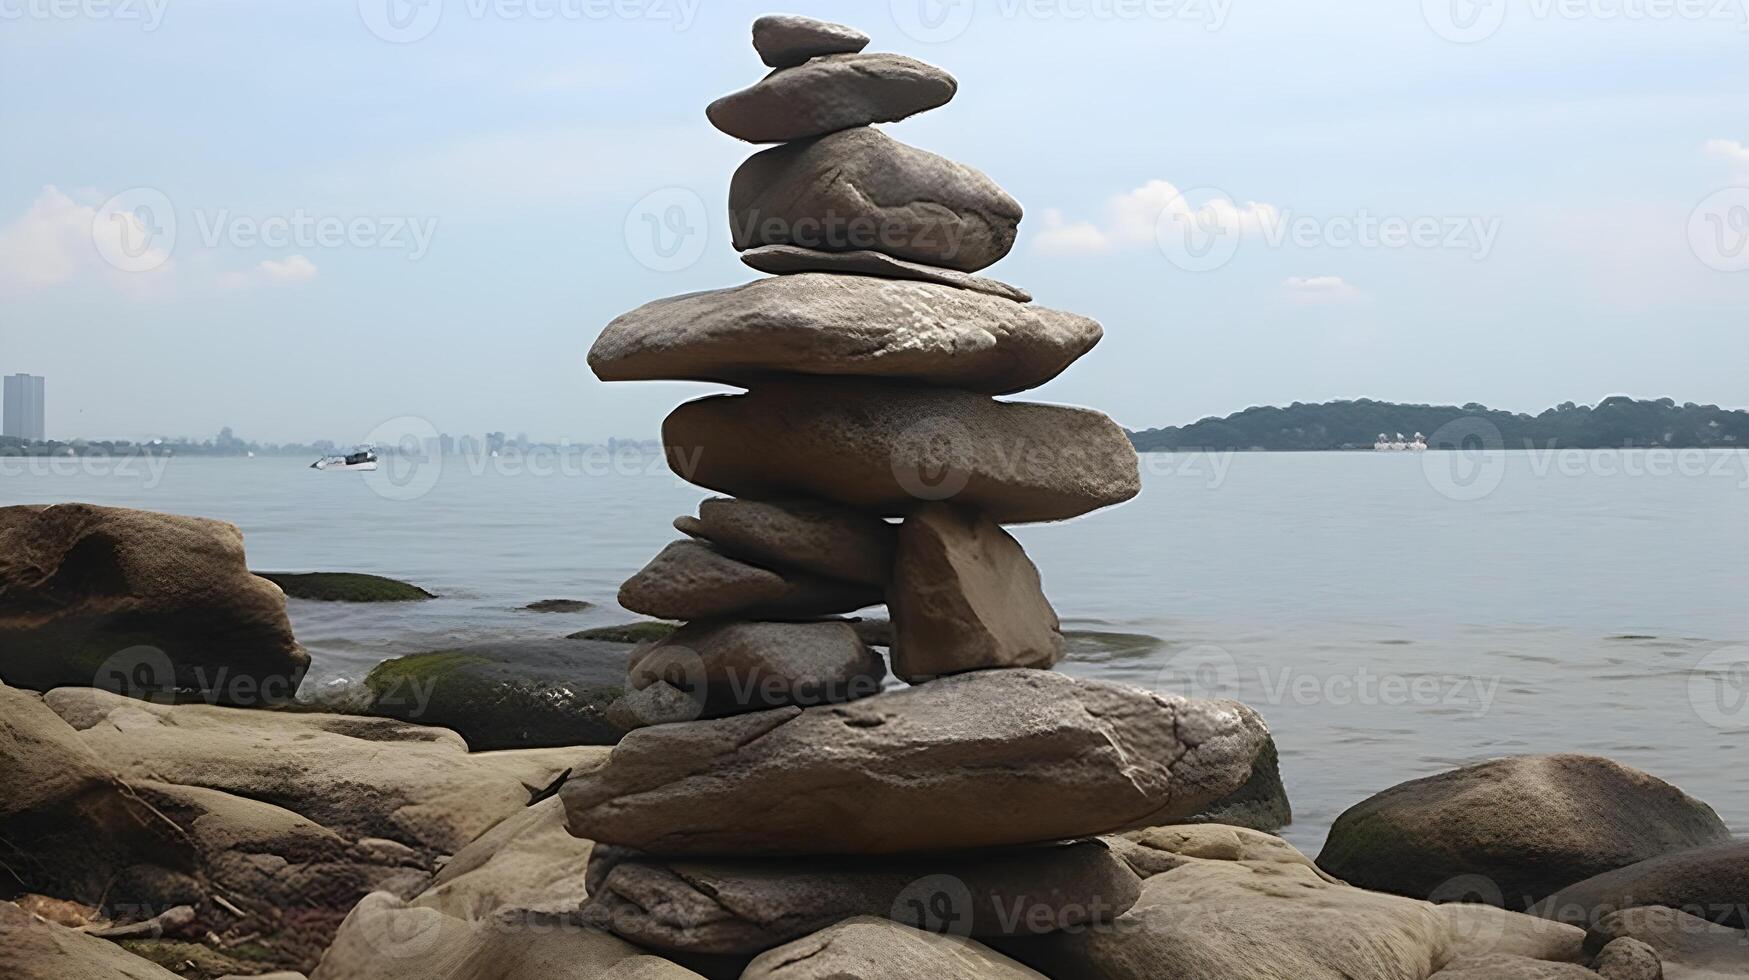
1614, 423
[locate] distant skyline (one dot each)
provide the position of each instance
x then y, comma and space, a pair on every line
368, 222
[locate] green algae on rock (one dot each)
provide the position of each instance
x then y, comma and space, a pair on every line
345, 587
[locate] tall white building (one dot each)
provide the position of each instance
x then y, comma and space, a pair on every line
23, 417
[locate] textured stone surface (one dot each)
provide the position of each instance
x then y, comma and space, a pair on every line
966, 597
862, 189
1628, 959
1531, 824
852, 326
788, 260
877, 949
747, 907
689, 580
989, 758
785, 40
1691, 948
736, 667
1506, 966
139, 602
1709, 882
830, 93
526, 862
32, 948
805, 535
1260, 804
887, 449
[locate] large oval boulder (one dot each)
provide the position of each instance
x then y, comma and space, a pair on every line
888, 448
1530, 824
860, 189
855, 326
984, 759
829, 93
1707, 882
142, 603
690, 580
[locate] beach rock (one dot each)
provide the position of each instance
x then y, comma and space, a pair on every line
559, 606
1531, 824
1628, 959
32, 948
143, 603
1237, 906
1152, 850
516, 694
860, 189
789, 260
360, 777
802, 535
345, 587
1709, 882
730, 668
1505, 966
966, 597
48, 767
786, 40
1690, 948
887, 449
639, 632
689, 580
830, 93
527, 863
659, 703
877, 949
843, 326
1480, 930
1260, 804
385, 939
984, 759
747, 907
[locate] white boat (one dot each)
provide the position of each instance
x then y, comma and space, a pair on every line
365, 460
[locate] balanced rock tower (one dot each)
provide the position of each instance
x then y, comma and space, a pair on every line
773, 766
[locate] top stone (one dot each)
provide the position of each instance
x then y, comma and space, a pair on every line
830, 93
787, 40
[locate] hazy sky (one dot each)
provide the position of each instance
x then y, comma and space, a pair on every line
1513, 202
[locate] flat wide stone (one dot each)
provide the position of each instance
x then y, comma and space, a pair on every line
786, 40
788, 260
806, 535
862, 189
734, 668
985, 759
888, 449
966, 597
689, 580
821, 324
829, 93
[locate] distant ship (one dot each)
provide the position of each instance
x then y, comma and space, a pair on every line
1400, 445
364, 460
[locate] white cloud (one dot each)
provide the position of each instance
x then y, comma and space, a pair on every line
59, 240
1321, 289
294, 268
1132, 219
1733, 152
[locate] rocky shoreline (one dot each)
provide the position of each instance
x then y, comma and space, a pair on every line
756, 784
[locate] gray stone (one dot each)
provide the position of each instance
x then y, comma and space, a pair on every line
861, 189
877, 949
1690, 948
1628, 959
985, 759
830, 93
1260, 804
887, 449
1708, 882
786, 40
1507, 966
966, 597
736, 667
789, 260
689, 580
746, 907
803, 535
856, 326
1531, 824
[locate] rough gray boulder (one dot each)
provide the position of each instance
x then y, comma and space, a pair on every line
689, 580
984, 759
1709, 882
860, 189
843, 326
829, 93
810, 536
731, 668
1691, 948
788, 260
786, 40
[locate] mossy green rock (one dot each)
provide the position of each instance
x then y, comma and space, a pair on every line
345, 587
512, 695
639, 632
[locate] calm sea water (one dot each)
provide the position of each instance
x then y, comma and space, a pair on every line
1391, 615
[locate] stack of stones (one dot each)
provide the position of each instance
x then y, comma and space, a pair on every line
767, 734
